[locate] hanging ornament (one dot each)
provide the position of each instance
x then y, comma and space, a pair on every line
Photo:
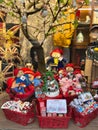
80, 37
24, 18
44, 11
74, 3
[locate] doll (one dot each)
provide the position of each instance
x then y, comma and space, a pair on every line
56, 59
37, 81
18, 88
23, 78
21, 81
69, 70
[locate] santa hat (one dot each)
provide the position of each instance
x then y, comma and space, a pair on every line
37, 74
57, 50
69, 65
25, 70
77, 71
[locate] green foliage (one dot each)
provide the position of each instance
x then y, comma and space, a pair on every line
75, 23
12, 14
1, 1
87, 2
45, 78
9, 3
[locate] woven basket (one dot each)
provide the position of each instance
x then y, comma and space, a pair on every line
18, 117
81, 120
53, 122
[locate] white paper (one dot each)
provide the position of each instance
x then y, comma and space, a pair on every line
56, 106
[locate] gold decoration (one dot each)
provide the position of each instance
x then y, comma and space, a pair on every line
3, 74
9, 54
2, 15
8, 37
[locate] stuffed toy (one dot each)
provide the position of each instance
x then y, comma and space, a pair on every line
69, 70
56, 59
38, 92
70, 91
18, 88
37, 81
65, 84
22, 80
61, 73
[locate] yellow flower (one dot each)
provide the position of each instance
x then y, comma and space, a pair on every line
64, 33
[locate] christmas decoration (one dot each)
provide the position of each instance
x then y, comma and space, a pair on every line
21, 79
50, 85
6, 71
57, 60
44, 11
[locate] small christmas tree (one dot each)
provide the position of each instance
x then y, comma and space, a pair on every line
50, 87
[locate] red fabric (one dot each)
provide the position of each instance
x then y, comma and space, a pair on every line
77, 71
78, 14
29, 90
25, 70
57, 50
37, 74
69, 65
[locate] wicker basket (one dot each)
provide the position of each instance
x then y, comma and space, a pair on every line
18, 117
81, 120
53, 122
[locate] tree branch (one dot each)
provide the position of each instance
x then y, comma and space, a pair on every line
34, 41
